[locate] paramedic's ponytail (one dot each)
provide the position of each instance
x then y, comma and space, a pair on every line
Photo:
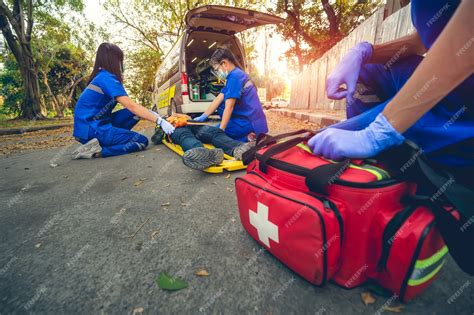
109, 57
224, 53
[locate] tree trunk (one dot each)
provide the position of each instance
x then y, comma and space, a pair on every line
55, 100
333, 23
31, 107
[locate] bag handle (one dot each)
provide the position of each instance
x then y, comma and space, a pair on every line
278, 149
265, 139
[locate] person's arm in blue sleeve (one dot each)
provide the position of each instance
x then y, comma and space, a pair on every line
211, 109
114, 89
449, 62
232, 94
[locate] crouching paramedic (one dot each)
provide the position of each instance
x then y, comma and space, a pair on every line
428, 100
238, 104
101, 132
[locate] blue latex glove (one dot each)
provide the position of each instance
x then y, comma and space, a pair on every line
347, 72
201, 118
336, 144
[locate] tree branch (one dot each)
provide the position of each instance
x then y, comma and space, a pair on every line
5, 11
298, 28
10, 38
333, 23
29, 28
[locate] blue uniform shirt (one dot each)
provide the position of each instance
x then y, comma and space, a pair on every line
95, 105
248, 114
452, 120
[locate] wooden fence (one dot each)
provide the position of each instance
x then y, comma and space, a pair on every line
308, 88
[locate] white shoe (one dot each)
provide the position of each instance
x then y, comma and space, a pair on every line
87, 151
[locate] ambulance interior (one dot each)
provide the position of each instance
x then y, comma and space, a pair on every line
203, 84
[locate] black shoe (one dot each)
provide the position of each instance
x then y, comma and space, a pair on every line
202, 158
241, 149
157, 137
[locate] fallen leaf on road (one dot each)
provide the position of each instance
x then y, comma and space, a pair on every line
165, 204
228, 176
367, 298
138, 310
378, 290
139, 182
394, 309
139, 246
38, 245
154, 234
169, 283
202, 273
124, 178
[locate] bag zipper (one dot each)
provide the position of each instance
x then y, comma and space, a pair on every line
390, 232
303, 171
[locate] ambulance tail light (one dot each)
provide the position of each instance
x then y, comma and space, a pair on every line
184, 84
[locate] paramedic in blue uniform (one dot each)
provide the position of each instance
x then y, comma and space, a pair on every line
428, 100
101, 132
238, 104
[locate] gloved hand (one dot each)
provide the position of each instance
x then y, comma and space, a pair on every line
347, 71
166, 126
201, 118
336, 144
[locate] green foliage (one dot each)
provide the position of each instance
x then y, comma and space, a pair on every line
151, 27
144, 63
11, 87
309, 29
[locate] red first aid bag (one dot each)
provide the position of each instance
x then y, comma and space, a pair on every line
332, 220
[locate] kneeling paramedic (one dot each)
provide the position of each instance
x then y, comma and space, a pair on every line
102, 132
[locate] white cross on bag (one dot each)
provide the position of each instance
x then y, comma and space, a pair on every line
266, 229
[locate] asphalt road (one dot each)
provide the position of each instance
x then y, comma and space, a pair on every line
92, 236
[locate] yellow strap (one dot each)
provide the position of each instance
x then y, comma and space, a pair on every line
414, 282
421, 264
376, 171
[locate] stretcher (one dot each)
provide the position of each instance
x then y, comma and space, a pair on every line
229, 164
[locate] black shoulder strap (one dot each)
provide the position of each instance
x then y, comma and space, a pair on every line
319, 178
408, 161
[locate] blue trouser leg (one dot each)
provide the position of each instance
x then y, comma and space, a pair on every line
118, 141
185, 137
124, 119
217, 137
238, 129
